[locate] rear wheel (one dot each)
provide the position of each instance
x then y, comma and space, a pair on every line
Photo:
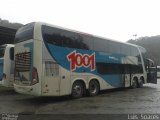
134, 83
77, 90
93, 88
140, 83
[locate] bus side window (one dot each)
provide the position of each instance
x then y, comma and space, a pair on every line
12, 53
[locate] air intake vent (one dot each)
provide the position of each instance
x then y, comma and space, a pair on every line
23, 61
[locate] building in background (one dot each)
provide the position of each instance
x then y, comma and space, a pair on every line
8, 31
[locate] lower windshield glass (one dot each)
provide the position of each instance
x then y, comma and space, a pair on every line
2, 51
24, 33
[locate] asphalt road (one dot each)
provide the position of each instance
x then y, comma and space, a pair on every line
122, 101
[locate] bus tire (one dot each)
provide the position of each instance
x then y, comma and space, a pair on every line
94, 88
77, 90
140, 83
134, 83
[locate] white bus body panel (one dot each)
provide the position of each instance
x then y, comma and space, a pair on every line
37, 62
8, 68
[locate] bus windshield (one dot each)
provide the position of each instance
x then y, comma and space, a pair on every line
24, 33
2, 51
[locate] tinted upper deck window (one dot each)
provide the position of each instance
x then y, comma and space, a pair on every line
63, 38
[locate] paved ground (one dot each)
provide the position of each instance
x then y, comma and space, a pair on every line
124, 101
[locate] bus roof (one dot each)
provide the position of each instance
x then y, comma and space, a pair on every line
83, 33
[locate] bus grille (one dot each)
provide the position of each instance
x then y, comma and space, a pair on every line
23, 61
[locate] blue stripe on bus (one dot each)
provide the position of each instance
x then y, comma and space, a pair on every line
60, 55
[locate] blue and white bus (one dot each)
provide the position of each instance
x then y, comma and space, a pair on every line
54, 61
7, 65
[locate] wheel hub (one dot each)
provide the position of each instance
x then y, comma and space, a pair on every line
77, 90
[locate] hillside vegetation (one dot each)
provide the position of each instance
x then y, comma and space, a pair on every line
6, 23
152, 45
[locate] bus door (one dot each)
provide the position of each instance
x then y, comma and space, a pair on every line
127, 76
152, 75
65, 84
51, 81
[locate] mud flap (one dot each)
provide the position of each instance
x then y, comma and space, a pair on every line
152, 75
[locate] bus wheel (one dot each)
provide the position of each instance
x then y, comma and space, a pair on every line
93, 88
140, 83
134, 83
77, 90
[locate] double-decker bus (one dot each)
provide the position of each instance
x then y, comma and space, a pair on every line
7, 65
54, 61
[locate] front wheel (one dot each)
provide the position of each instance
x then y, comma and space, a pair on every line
77, 90
93, 88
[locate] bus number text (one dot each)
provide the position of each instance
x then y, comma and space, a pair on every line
78, 60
